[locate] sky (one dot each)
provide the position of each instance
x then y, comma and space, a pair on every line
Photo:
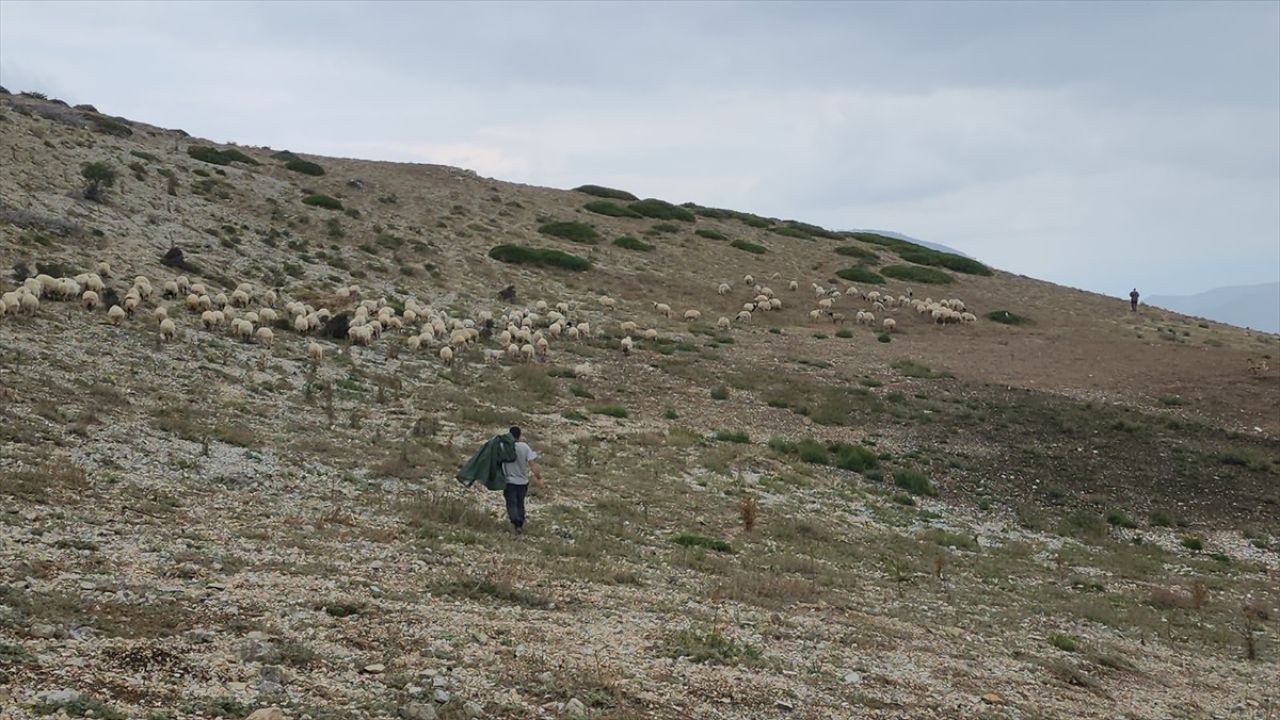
1097, 145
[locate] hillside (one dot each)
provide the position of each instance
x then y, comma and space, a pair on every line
1247, 306
1072, 512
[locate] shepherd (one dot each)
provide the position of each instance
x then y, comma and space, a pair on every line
504, 463
1133, 300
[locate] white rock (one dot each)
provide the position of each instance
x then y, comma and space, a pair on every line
575, 709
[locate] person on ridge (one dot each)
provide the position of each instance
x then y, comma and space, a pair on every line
517, 473
1133, 300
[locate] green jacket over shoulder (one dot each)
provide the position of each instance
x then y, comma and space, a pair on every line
486, 464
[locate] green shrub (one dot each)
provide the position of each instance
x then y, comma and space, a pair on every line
1119, 519
809, 230
604, 207
855, 251
913, 369
1066, 643
788, 231
1082, 523
737, 436
691, 540
630, 243
214, 156
661, 228
1160, 518
605, 192
750, 247
572, 231
915, 273
711, 234
1007, 318
854, 457
98, 177
670, 414
927, 256
305, 167
884, 337
546, 257
710, 647
860, 275
1193, 542
322, 201
616, 411
661, 210
913, 482
283, 155
720, 392
845, 333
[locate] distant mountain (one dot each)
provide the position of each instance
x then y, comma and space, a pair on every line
931, 245
1251, 306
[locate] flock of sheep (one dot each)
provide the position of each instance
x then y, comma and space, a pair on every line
524, 334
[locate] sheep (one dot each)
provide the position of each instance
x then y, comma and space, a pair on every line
359, 334
527, 352
871, 319
723, 289
446, 355
160, 314
572, 333
170, 289
301, 324
968, 318
68, 289
583, 370
208, 319
316, 351
607, 301
193, 303
873, 296
240, 298
629, 328
562, 307
131, 303
116, 314
556, 329
748, 280
199, 289
167, 330
723, 323
584, 330
775, 303
890, 325
816, 314
413, 342
691, 315
744, 316
627, 345
206, 303
103, 269
89, 299
793, 285
651, 334
221, 300
269, 298
663, 308
860, 318
837, 318
542, 346
29, 303
748, 307
267, 315
824, 304
877, 306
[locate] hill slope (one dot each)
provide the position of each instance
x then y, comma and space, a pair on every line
1074, 516
1247, 306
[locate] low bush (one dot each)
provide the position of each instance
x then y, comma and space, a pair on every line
1193, 542
855, 251
750, 247
630, 243
572, 231
735, 436
545, 257
1005, 317
1118, 518
710, 647
661, 210
306, 167
913, 482
860, 274
690, 540
616, 411
605, 192
612, 209
710, 234
926, 256
322, 201
214, 156
1065, 643
915, 273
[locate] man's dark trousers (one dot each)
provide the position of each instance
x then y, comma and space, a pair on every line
514, 495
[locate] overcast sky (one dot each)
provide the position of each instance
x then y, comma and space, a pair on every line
1097, 145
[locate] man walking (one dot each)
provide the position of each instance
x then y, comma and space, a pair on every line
517, 473
1133, 300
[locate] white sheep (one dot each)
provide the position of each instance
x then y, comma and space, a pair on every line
413, 342
626, 345
663, 308
29, 303
103, 269
168, 330
316, 351
748, 280
527, 352
890, 325
744, 316
584, 330
208, 319
89, 299
824, 304
816, 314
583, 370
269, 298
793, 285
116, 314
607, 301
542, 346
651, 334
199, 289
723, 323
170, 289
775, 303
692, 315
723, 289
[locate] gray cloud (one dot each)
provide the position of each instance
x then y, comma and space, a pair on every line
1099, 145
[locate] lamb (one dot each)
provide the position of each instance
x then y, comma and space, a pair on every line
527, 352
116, 314
748, 280
446, 355
723, 323
692, 315
316, 351
168, 330
103, 269
663, 308
723, 289
89, 299
626, 345
793, 285
890, 325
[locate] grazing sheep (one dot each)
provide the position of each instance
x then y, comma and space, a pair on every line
793, 285
103, 269
824, 304
775, 303
209, 319
29, 303
221, 300
748, 307
89, 299
723, 323
168, 330
193, 303
871, 319
816, 314
583, 370
663, 308
837, 318
269, 298
629, 328
607, 301
651, 334
723, 289
584, 330
542, 346
744, 316
572, 333
890, 325
316, 351
626, 345
198, 289
413, 342
160, 314
116, 314
968, 318
691, 315
527, 352
131, 303
169, 290
877, 306
301, 324
748, 280
562, 307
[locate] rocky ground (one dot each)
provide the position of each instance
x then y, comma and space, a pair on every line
1075, 518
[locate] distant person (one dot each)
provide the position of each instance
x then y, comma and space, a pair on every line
1133, 300
517, 473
